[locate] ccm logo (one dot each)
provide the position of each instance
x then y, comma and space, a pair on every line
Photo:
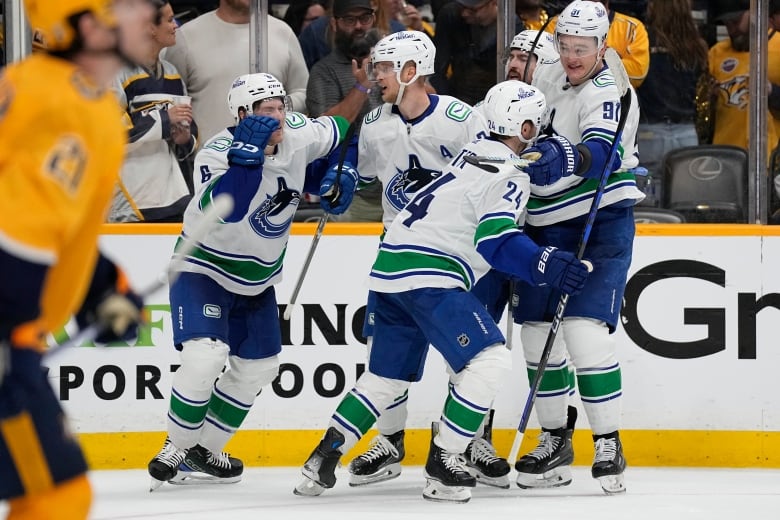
212, 311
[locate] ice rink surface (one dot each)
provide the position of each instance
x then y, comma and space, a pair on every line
266, 493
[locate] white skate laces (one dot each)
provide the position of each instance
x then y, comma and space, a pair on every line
606, 450
380, 447
170, 455
547, 445
220, 460
483, 451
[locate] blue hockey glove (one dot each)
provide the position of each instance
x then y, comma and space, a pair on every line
559, 269
334, 198
554, 157
249, 140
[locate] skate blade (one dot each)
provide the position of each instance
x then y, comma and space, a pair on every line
556, 477
438, 492
154, 484
612, 484
499, 482
387, 473
193, 478
308, 488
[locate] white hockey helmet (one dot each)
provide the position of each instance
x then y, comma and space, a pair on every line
511, 103
248, 89
583, 18
544, 50
405, 46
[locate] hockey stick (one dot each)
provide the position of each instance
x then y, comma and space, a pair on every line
334, 194
220, 208
621, 79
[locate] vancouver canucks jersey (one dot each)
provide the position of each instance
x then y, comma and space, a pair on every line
589, 111
245, 257
406, 155
433, 241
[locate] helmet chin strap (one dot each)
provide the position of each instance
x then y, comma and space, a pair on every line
402, 86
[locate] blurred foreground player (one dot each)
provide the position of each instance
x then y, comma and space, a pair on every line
56, 179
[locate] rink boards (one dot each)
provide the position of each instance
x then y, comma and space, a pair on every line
698, 345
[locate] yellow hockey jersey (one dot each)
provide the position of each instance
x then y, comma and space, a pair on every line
731, 71
61, 146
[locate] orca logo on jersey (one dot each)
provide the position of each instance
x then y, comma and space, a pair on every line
275, 214
407, 182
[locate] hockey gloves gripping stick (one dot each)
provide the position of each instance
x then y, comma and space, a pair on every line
560, 269
111, 305
250, 139
550, 159
337, 190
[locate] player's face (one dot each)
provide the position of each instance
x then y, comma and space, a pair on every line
386, 80
274, 108
579, 56
516, 64
133, 20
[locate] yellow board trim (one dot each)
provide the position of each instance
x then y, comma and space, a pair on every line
21, 437
692, 448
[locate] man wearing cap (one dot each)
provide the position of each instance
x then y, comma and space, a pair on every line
465, 43
729, 66
316, 39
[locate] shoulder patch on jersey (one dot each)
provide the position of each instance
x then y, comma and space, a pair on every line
220, 144
373, 115
605, 79
458, 111
295, 120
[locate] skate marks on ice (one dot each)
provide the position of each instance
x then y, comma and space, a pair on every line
652, 494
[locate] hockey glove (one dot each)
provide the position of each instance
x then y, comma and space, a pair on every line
553, 157
559, 269
334, 198
249, 140
110, 305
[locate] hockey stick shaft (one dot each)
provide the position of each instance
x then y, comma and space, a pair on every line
220, 208
335, 194
625, 104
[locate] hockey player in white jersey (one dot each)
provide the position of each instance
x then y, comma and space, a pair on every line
223, 302
582, 91
404, 144
438, 246
527, 50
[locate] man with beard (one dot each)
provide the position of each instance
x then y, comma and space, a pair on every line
729, 64
338, 85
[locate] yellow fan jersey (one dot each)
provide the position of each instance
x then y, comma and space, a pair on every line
61, 146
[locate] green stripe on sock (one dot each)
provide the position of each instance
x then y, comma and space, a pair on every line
465, 418
187, 412
226, 412
354, 411
601, 384
553, 380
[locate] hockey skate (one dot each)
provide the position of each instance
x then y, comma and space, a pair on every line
381, 462
549, 464
609, 463
447, 477
165, 465
482, 461
202, 466
319, 471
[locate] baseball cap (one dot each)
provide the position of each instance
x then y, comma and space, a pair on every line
342, 7
727, 10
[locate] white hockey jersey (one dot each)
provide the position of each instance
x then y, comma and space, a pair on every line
245, 257
584, 112
406, 155
433, 241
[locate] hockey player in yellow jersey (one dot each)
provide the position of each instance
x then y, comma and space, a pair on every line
59, 160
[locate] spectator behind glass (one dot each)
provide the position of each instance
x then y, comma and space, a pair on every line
667, 97
729, 66
317, 39
532, 13
301, 13
466, 49
152, 186
213, 49
338, 86
404, 12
